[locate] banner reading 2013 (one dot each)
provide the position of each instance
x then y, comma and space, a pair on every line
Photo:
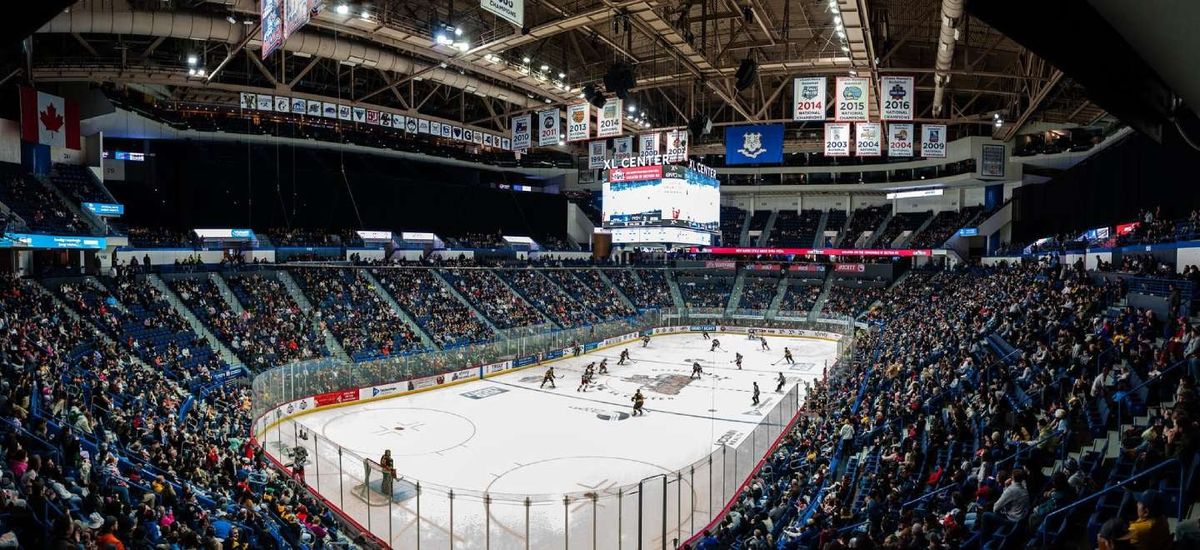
579, 122
850, 105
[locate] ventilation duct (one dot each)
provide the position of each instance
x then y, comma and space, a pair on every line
951, 12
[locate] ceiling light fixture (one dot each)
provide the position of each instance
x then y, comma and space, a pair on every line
525, 60
342, 9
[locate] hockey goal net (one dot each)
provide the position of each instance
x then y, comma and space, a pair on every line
380, 486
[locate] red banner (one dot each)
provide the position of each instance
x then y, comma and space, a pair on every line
734, 250
1127, 228
635, 173
850, 268
807, 268
335, 397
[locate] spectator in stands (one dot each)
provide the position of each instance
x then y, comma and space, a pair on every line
1149, 531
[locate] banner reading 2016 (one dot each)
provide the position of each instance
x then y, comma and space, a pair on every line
609, 122
548, 127
521, 133
579, 122
933, 140
837, 139
896, 97
850, 105
808, 98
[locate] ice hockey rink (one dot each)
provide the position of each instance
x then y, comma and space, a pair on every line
594, 476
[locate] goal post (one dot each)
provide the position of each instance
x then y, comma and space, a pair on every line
380, 486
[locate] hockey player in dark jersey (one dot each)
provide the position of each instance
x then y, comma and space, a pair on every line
645, 340
782, 381
754, 399
716, 344
737, 360
638, 401
787, 356
548, 377
762, 340
696, 370
624, 357
603, 366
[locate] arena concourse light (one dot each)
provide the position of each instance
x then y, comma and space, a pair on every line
342, 9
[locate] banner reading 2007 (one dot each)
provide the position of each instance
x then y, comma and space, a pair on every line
837, 139
609, 122
850, 105
808, 98
579, 122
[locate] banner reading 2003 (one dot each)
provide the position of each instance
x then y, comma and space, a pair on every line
837, 139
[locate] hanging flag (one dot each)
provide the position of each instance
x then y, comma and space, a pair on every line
548, 127
314, 108
372, 117
896, 97
410, 125
468, 134
360, 114
808, 98
837, 139
623, 148
677, 146
900, 140
435, 127
329, 110
506, 144
456, 132
385, 119
271, 22
49, 119
249, 100
446, 130
597, 154
282, 104
609, 122
933, 140
522, 138
648, 144
850, 105
760, 144
422, 126
299, 106
487, 140
867, 139
344, 112
579, 121
266, 102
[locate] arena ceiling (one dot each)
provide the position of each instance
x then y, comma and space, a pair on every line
684, 53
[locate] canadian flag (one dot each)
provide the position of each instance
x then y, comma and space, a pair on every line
49, 119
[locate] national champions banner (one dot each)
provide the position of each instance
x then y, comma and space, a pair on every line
608, 124
760, 144
850, 103
837, 139
896, 97
548, 127
933, 140
521, 137
900, 140
623, 148
808, 98
677, 145
867, 139
597, 154
648, 144
579, 121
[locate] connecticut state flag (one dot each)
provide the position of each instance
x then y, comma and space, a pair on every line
49, 119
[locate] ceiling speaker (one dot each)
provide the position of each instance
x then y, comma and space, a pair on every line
745, 74
699, 125
619, 79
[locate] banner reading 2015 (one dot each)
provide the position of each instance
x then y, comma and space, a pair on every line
850, 105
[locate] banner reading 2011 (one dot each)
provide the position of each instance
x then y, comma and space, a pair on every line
579, 122
548, 127
608, 124
850, 105
896, 97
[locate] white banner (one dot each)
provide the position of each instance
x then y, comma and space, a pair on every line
677, 145
314, 108
435, 128
468, 135
851, 100
329, 110
410, 125
608, 124
597, 154
623, 147
506, 144
522, 138
422, 126
933, 140
282, 104
837, 139
900, 140
343, 112
896, 97
299, 106
579, 121
447, 131
266, 102
512, 11
548, 127
648, 144
867, 139
360, 114
808, 98
249, 100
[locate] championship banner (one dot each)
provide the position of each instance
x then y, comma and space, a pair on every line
579, 121
548, 127
608, 124
597, 154
896, 97
295, 15
900, 140
837, 139
267, 102
933, 140
808, 98
249, 100
867, 139
282, 104
299, 106
522, 139
271, 21
850, 104
435, 128
623, 148
648, 144
762, 144
677, 145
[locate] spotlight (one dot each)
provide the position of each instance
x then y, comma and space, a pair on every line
457, 31
365, 15
200, 72
232, 20
995, 116
525, 60
562, 75
441, 39
632, 108
342, 9
191, 72
544, 68
192, 59
845, 49
548, 101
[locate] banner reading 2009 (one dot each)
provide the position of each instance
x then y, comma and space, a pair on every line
579, 122
933, 140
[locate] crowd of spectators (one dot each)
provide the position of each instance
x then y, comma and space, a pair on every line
300, 236
645, 288
586, 286
851, 298
158, 237
271, 330
37, 205
800, 296
365, 325
433, 306
707, 291
758, 292
493, 298
548, 298
943, 226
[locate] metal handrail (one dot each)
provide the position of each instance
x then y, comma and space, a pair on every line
1119, 485
1150, 380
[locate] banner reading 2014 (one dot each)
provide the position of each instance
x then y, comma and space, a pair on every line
837, 139
609, 122
808, 98
579, 122
896, 97
850, 105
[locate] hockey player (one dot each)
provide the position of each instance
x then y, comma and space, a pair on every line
548, 377
645, 340
737, 359
752, 334
584, 380
696, 370
754, 400
638, 401
704, 333
624, 357
576, 350
787, 356
603, 366
763, 340
716, 344
389, 470
782, 381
